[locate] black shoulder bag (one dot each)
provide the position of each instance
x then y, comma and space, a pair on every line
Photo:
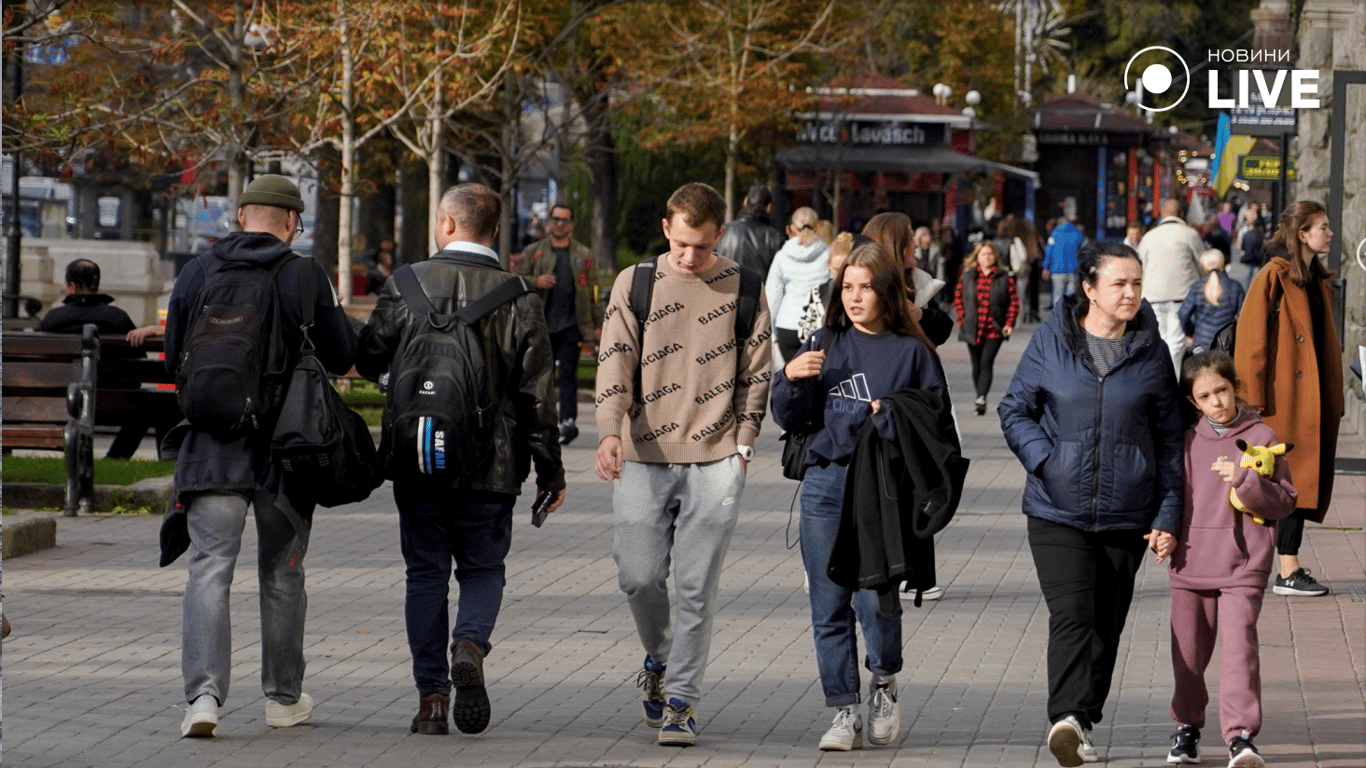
794, 443
323, 447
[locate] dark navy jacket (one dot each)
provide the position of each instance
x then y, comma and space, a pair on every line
203, 461
1102, 454
1202, 320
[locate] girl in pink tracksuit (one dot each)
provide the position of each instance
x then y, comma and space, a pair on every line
1222, 562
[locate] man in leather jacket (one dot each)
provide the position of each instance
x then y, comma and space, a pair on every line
470, 525
751, 241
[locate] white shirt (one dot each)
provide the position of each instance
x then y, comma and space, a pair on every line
468, 247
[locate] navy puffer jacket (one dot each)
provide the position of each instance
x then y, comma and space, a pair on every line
1102, 454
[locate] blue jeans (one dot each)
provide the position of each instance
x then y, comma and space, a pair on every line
438, 525
216, 521
1062, 283
834, 608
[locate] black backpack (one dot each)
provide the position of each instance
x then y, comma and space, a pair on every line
746, 303
441, 414
324, 449
231, 372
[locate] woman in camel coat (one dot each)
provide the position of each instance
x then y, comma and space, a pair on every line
1289, 359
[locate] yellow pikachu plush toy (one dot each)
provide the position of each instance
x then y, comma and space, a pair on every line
1262, 460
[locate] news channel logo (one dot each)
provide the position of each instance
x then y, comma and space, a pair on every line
1157, 79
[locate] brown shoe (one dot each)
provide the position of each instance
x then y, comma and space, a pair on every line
431, 715
471, 711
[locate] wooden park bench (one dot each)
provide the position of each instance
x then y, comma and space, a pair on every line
59, 387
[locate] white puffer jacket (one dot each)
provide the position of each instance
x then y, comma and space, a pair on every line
795, 271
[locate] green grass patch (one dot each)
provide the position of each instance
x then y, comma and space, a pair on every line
52, 470
362, 393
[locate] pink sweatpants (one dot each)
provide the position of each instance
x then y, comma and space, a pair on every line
1195, 624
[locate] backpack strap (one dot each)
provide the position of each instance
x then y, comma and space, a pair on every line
642, 291
419, 305
306, 291
747, 304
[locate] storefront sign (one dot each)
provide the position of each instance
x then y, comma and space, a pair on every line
1263, 168
861, 132
1072, 138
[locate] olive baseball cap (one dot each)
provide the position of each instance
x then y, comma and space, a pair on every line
274, 190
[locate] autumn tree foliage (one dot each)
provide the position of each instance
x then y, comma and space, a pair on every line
719, 70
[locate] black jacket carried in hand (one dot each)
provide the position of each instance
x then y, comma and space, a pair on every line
898, 494
750, 241
517, 346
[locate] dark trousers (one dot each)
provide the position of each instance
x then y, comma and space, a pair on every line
438, 526
564, 345
1088, 582
788, 343
1032, 290
983, 358
1290, 532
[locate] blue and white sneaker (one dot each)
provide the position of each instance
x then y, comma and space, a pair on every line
680, 725
651, 678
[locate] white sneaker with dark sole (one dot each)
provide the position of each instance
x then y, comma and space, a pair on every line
201, 719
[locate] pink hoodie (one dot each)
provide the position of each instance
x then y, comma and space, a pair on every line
1219, 546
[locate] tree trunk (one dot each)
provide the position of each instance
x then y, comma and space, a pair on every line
348, 163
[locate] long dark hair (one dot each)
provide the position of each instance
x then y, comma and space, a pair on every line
889, 287
1092, 259
1295, 219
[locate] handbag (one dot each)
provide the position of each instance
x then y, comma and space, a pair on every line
795, 442
324, 448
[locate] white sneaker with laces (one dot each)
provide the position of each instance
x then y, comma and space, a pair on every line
846, 732
884, 713
933, 593
201, 719
1064, 742
284, 715
1088, 750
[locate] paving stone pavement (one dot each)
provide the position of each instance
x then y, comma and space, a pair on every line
93, 677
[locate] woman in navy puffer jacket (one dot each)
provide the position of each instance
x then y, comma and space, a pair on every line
1092, 414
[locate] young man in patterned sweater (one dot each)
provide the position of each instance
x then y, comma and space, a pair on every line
678, 409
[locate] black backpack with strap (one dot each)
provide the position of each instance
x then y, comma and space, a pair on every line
231, 374
441, 413
746, 304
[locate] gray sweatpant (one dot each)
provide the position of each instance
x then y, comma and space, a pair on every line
690, 509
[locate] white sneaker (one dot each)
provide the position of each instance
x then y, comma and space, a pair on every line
284, 715
884, 713
201, 719
933, 593
845, 733
1065, 740
1088, 750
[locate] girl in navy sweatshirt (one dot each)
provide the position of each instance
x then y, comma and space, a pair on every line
876, 349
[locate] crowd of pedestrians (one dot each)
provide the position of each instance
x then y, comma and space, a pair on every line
838, 333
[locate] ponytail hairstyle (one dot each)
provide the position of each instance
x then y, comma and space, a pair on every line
804, 224
1296, 218
1091, 260
1213, 262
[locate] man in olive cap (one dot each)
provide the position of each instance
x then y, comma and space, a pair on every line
219, 476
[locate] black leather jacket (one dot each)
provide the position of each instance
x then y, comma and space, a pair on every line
750, 242
515, 339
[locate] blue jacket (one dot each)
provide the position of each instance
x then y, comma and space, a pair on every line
1102, 454
1064, 243
1201, 319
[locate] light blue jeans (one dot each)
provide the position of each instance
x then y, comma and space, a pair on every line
216, 521
687, 512
834, 608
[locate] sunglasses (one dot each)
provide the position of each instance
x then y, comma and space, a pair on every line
560, 220
805, 226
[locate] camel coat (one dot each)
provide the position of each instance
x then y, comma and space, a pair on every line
1280, 375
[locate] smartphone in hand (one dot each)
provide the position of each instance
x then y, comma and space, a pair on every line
541, 508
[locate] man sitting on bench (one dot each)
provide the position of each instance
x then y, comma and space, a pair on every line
85, 304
